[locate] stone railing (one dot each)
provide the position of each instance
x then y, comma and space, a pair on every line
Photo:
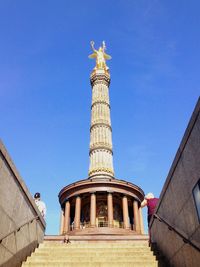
21, 225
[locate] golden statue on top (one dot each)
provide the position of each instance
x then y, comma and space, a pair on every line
100, 56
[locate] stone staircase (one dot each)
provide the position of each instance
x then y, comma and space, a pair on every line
134, 253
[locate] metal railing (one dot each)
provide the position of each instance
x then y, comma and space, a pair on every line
100, 225
18, 228
172, 228
113, 225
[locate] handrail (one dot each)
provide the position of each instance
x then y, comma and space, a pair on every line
171, 228
18, 228
99, 225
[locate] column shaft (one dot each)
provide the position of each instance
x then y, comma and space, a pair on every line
67, 217
92, 210
141, 221
101, 154
110, 209
61, 222
125, 212
136, 216
77, 213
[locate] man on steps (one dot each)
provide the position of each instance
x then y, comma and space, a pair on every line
40, 204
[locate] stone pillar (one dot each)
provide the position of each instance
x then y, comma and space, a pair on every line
77, 213
136, 216
110, 209
67, 217
141, 221
101, 152
125, 212
61, 222
92, 210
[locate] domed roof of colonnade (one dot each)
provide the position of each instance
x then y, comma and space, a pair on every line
101, 185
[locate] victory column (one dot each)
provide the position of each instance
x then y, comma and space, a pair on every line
101, 204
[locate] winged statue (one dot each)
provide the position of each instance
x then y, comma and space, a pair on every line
100, 56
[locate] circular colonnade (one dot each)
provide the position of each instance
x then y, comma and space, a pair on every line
97, 203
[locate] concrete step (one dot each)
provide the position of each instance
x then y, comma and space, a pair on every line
59, 254
138, 258
91, 250
70, 247
97, 245
41, 253
101, 238
91, 264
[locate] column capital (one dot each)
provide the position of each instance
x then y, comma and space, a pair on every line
100, 76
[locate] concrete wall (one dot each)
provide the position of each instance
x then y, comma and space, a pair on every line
176, 203
16, 209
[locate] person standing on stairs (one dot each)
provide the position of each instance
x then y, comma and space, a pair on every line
151, 202
40, 204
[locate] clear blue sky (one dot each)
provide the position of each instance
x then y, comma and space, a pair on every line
45, 91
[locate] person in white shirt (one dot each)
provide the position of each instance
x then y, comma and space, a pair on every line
40, 204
